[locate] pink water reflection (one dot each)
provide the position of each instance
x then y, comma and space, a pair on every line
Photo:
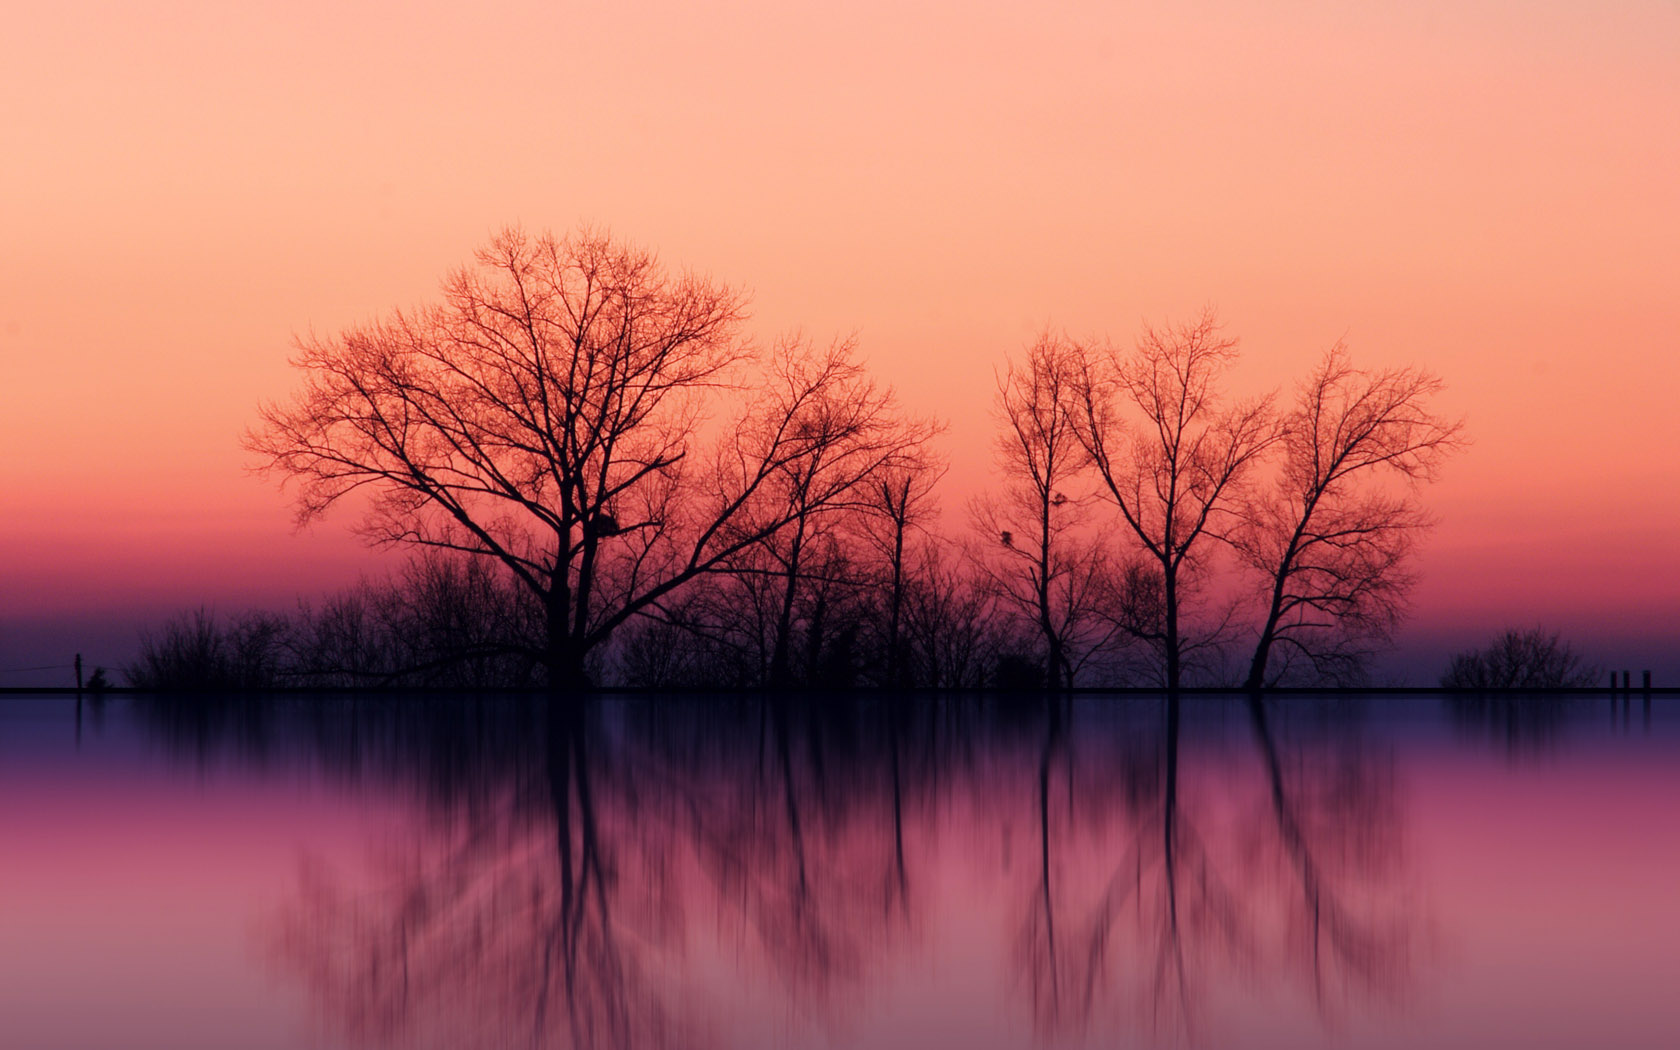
750, 877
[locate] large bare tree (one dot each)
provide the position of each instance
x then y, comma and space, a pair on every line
547, 414
1034, 542
1331, 537
1171, 455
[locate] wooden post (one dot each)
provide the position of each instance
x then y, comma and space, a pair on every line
78, 674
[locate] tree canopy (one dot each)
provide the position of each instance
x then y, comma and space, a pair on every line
548, 413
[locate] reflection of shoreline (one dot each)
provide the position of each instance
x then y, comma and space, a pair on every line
1525, 724
581, 877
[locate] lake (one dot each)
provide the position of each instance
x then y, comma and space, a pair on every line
726, 871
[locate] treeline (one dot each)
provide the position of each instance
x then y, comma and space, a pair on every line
439, 622
453, 622
616, 484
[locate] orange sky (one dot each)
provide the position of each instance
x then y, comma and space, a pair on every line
1486, 189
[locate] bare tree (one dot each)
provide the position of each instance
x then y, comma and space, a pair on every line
193, 651
857, 442
1170, 455
953, 627
790, 603
545, 415
1330, 541
1033, 544
901, 501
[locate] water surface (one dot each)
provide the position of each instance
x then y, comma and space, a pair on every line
738, 872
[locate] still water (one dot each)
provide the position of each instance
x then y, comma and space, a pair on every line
724, 872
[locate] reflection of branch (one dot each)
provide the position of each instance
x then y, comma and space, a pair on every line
554, 905
800, 872
1191, 923
1202, 914
1360, 948
504, 931
1043, 959
1183, 910
569, 764
1171, 950
903, 876
1526, 723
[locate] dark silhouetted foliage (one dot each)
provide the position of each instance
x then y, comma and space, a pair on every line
1529, 659
621, 487
195, 651
547, 416
1332, 537
440, 622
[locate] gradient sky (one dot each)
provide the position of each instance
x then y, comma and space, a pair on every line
1486, 189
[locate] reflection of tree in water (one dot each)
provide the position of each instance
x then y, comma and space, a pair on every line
566, 911
1521, 723
532, 917
803, 845
1347, 927
1127, 904
626, 874
1151, 886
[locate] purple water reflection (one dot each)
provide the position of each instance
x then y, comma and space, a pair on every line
735, 873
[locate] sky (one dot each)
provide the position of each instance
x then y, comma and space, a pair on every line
1483, 189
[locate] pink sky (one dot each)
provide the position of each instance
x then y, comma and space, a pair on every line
1484, 189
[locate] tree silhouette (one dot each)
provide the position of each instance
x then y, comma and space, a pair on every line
1170, 455
546, 415
193, 651
1331, 544
857, 444
900, 502
1527, 659
953, 628
1030, 543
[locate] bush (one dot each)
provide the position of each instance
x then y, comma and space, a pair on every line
442, 621
1531, 659
193, 651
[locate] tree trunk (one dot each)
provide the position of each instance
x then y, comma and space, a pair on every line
1257, 668
893, 670
1173, 664
781, 653
565, 653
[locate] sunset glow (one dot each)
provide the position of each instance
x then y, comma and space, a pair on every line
1483, 189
